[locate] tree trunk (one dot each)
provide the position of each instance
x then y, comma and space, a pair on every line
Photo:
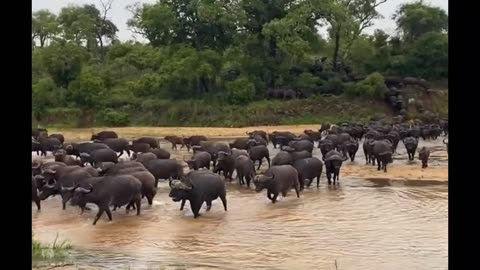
42, 41
337, 48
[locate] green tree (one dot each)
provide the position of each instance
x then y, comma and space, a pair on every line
203, 24
87, 90
44, 26
45, 94
417, 19
62, 61
240, 91
428, 57
346, 25
86, 26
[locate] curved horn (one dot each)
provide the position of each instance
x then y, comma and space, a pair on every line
334, 157
36, 166
49, 171
50, 186
84, 190
67, 189
39, 177
84, 155
177, 184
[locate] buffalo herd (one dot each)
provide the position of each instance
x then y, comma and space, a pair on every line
93, 172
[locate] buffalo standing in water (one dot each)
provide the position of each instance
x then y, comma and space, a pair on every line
198, 187
115, 190
411, 144
333, 163
278, 179
423, 155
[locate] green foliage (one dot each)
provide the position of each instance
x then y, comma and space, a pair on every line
333, 86
55, 251
428, 58
307, 81
111, 118
240, 91
417, 19
86, 90
46, 94
207, 51
372, 87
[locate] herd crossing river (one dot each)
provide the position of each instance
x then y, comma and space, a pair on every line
361, 223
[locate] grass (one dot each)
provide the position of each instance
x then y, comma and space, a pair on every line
208, 113
55, 251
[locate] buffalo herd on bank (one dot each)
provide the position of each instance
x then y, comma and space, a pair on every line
92, 172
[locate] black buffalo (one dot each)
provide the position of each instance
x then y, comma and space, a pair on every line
198, 187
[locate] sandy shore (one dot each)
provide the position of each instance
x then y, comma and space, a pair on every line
397, 172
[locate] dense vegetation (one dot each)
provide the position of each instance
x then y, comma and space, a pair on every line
209, 59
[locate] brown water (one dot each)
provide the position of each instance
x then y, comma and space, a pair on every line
361, 224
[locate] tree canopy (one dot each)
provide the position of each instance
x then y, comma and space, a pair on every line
227, 51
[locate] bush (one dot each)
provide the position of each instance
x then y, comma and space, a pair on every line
372, 87
333, 86
240, 91
113, 118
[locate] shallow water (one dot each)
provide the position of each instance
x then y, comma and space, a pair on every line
360, 224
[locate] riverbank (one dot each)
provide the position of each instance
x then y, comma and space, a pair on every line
211, 113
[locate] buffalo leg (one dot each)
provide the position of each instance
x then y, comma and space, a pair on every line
64, 204
114, 208
99, 214
223, 197
297, 190
379, 164
268, 160
310, 182
195, 209
274, 199
209, 205
182, 205
150, 198
37, 202
269, 195
301, 180
138, 203
109, 214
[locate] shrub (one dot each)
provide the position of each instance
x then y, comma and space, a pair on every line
112, 118
372, 87
333, 86
240, 91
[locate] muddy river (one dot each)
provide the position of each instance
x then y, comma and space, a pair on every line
360, 224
